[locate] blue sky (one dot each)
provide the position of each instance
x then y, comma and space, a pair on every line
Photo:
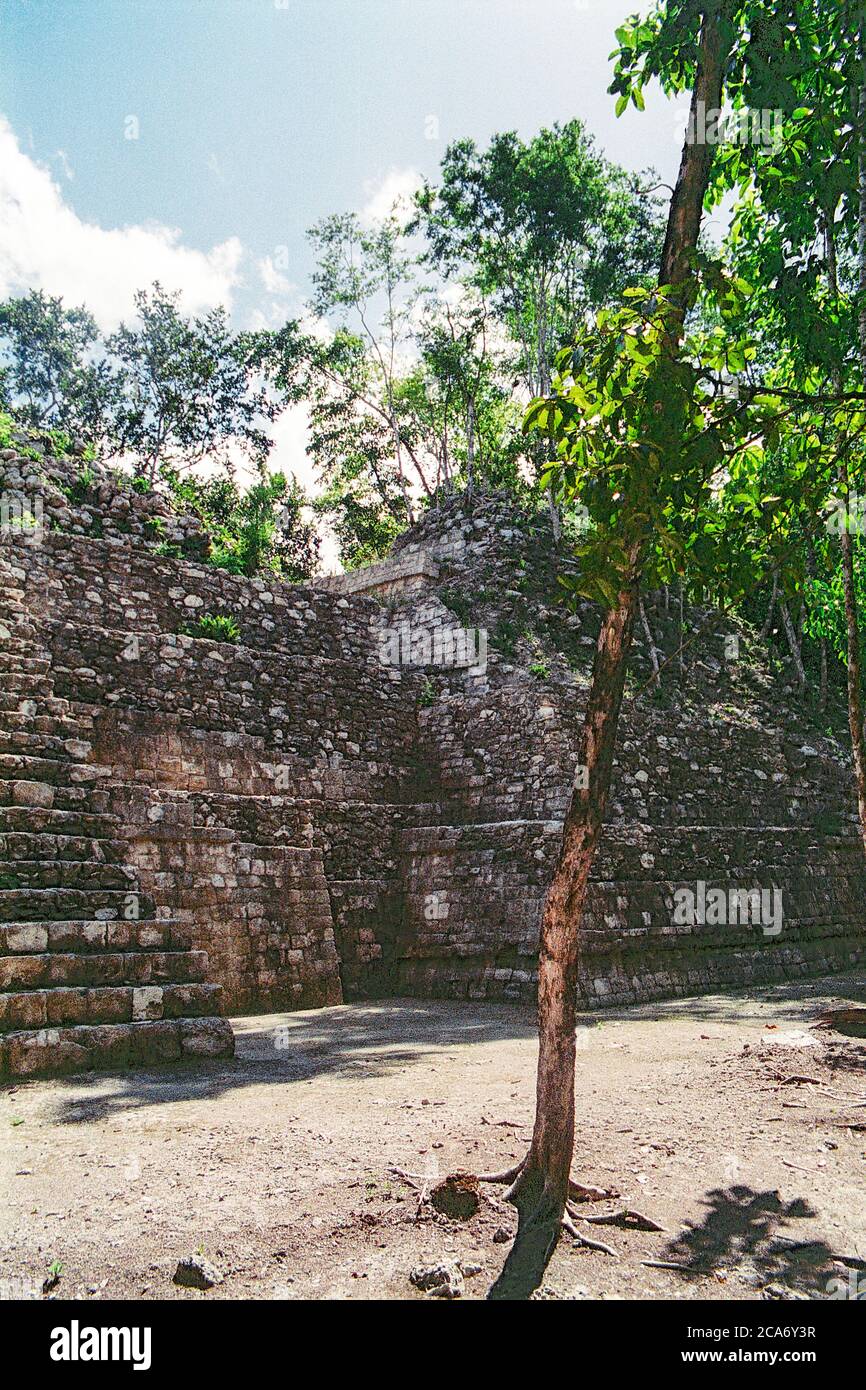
256, 117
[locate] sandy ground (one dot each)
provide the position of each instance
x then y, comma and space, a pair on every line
276, 1165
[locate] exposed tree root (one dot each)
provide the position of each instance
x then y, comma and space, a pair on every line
626, 1217
587, 1241
577, 1191
506, 1176
538, 1227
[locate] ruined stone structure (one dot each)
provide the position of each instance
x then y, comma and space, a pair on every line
303, 816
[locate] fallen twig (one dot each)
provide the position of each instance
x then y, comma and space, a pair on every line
664, 1264
409, 1178
847, 1100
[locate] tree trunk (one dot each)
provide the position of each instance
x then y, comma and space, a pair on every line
650, 642
768, 621
793, 644
398, 456
846, 544
812, 566
540, 1189
855, 688
544, 379
470, 447
681, 654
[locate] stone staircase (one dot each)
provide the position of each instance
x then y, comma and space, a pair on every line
90, 975
317, 823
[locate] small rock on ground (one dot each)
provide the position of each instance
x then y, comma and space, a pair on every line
439, 1281
197, 1273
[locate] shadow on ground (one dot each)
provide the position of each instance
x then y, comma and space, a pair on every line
798, 1002
745, 1230
364, 1040
356, 1041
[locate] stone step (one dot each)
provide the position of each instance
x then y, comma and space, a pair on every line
46, 847
56, 821
85, 874
65, 969
43, 904
30, 661
33, 1052
27, 683
12, 602
88, 935
64, 1007
14, 615
16, 626
18, 636
49, 730
21, 705
42, 745
45, 796
24, 634
13, 610
23, 767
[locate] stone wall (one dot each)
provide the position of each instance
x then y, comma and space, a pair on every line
324, 823
722, 780
261, 782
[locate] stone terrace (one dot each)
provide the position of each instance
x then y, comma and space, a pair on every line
288, 820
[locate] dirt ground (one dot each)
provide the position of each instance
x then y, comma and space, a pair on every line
727, 1120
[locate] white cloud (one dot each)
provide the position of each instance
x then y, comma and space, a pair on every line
273, 279
63, 160
316, 327
291, 434
392, 192
45, 245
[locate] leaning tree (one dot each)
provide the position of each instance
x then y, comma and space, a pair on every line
643, 425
